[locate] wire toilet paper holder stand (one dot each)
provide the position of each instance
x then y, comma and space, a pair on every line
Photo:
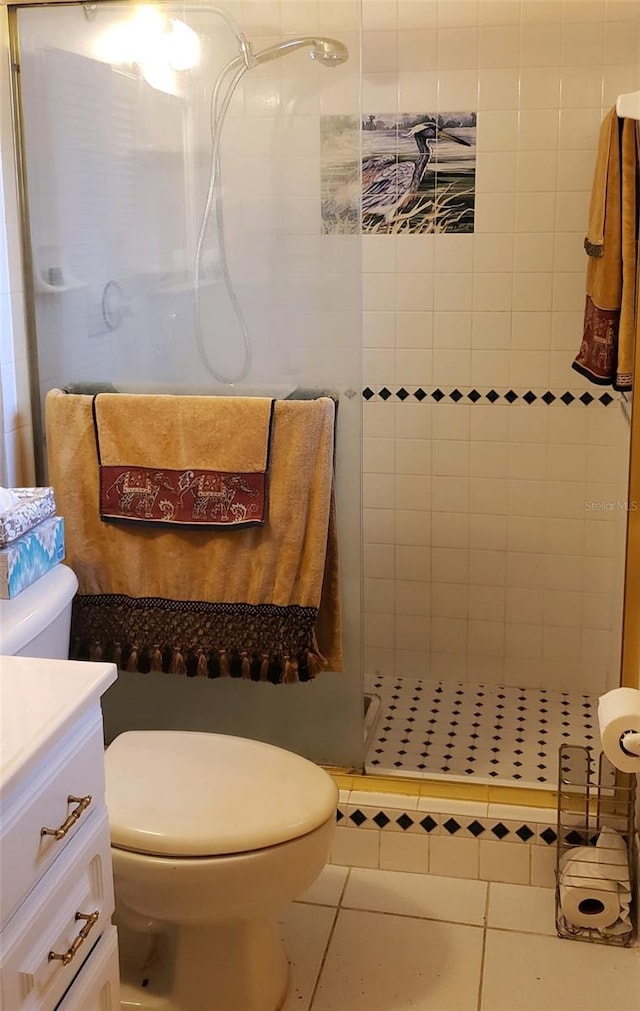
592, 796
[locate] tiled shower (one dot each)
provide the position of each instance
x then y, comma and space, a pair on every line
494, 475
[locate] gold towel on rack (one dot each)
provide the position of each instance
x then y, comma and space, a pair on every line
260, 603
611, 320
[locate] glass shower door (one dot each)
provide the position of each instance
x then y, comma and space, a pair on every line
146, 278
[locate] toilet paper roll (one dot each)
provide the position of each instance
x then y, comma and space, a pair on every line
619, 714
595, 908
587, 899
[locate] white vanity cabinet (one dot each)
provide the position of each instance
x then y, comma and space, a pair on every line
58, 948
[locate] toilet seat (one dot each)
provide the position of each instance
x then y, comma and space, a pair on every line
185, 794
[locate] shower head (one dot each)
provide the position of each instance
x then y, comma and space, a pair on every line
329, 52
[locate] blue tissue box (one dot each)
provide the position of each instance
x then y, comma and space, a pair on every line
30, 556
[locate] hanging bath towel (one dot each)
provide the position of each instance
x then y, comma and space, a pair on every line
611, 319
260, 603
218, 460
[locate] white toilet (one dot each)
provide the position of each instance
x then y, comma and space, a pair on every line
211, 835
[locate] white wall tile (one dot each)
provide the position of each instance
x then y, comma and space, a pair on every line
506, 862
356, 847
457, 858
401, 852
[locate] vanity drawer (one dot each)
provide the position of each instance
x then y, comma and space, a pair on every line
63, 916
97, 987
61, 795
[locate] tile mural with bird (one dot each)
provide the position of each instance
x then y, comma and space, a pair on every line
407, 174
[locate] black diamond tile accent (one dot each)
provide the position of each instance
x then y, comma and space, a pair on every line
510, 396
402, 394
548, 397
476, 828
524, 833
586, 399
429, 824
381, 819
368, 393
529, 397
420, 394
473, 396
438, 395
384, 393
606, 399
500, 830
339, 815
456, 395
492, 396
567, 398
452, 826
404, 821
575, 838
358, 818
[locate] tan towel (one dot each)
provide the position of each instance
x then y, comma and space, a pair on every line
611, 320
203, 602
183, 460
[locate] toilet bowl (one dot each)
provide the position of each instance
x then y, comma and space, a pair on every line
211, 836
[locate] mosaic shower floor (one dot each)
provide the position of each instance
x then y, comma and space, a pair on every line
484, 733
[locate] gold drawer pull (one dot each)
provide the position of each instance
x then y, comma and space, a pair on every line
60, 833
92, 919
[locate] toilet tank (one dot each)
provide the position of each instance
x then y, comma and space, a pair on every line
37, 621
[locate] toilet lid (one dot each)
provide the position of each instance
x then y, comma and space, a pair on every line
176, 793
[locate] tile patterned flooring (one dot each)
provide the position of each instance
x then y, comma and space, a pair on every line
373, 940
484, 733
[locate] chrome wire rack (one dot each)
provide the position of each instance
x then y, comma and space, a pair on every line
595, 849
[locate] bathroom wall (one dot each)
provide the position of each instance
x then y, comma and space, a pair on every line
494, 496
481, 560
16, 457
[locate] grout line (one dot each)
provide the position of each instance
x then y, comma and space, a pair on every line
323, 960
484, 946
344, 887
413, 916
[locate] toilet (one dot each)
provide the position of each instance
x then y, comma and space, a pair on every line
211, 836
37, 621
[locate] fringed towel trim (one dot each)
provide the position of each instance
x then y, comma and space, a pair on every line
593, 248
257, 642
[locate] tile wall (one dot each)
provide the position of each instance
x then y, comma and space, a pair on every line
481, 559
494, 514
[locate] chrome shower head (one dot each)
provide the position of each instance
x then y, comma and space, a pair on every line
329, 52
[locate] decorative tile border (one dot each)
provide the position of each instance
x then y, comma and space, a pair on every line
540, 398
451, 838
395, 819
